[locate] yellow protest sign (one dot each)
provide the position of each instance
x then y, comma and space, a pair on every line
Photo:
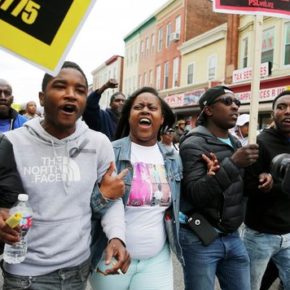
41, 31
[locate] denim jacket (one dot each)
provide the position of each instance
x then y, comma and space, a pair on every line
173, 167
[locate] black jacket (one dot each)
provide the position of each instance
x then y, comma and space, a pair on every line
10, 182
104, 121
218, 198
267, 212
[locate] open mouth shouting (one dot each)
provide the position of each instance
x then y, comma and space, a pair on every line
69, 109
145, 122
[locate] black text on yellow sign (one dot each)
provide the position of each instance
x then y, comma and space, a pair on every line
35, 17
40, 30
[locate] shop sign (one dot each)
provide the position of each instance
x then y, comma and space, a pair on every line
192, 98
175, 100
184, 99
274, 8
264, 95
245, 74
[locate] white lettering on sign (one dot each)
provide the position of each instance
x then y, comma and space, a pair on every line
265, 95
245, 74
175, 100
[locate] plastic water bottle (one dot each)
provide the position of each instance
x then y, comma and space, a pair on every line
15, 253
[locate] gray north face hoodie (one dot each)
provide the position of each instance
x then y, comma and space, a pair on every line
59, 177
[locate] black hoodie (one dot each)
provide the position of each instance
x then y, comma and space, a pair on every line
267, 212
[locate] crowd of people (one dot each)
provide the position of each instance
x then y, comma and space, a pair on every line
114, 192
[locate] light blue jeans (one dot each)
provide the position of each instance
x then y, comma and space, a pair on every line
261, 248
226, 258
73, 278
155, 273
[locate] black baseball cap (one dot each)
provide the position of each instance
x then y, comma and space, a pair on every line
213, 93
208, 98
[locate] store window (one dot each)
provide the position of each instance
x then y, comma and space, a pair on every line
268, 46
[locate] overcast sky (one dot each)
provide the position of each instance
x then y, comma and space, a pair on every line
100, 37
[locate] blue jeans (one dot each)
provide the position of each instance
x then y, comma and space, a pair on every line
154, 273
226, 258
73, 278
261, 248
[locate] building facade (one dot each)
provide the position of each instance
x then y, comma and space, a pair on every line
275, 63
160, 37
110, 69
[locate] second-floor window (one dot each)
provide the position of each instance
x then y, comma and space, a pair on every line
190, 72
178, 24
158, 77
287, 44
168, 33
136, 52
166, 75
160, 39
147, 45
153, 41
268, 45
175, 72
150, 81
142, 48
212, 65
145, 79
245, 48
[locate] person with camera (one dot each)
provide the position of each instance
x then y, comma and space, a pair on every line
212, 201
267, 232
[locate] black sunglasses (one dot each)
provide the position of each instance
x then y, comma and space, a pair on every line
228, 101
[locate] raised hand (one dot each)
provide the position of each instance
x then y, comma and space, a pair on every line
112, 84
113, 186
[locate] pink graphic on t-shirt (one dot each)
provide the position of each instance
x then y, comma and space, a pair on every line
149, 186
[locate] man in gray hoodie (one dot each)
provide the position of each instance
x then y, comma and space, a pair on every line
60, 160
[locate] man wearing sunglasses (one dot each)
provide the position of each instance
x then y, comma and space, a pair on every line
212, 189
104, 121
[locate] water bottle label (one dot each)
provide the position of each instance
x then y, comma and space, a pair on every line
26, 222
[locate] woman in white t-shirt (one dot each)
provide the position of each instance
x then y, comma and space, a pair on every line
151, 197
